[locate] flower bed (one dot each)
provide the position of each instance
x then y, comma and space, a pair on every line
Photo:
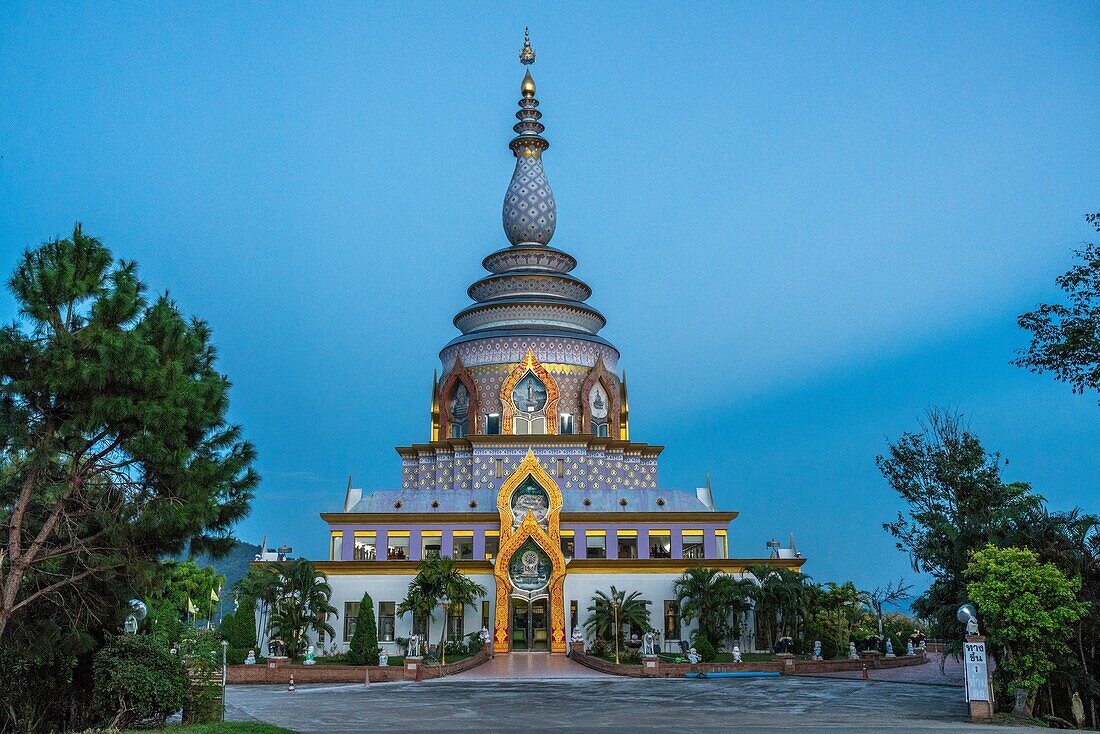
334, 673
785, 667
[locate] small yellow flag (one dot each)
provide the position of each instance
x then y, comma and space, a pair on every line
191, 608
213, 596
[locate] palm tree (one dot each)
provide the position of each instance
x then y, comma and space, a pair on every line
608, 613
713, 598
782, 598
302, 604
438, 577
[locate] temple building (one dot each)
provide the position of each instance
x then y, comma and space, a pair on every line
529, 477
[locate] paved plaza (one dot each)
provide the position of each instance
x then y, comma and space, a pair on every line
563, 696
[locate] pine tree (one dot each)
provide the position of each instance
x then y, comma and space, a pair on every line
363, 649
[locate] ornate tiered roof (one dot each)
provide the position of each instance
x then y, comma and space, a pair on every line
530, 289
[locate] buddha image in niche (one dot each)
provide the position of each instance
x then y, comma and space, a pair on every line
530, 498
529, 395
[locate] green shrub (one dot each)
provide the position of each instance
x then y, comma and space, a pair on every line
201, 651
137, 679
363, 649
705, 649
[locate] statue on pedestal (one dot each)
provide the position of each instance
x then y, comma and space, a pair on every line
309, 657
817, 650
251, 659
890, 648
649, 644
852, 654
693, 656
383, 658
909, 649
736, 654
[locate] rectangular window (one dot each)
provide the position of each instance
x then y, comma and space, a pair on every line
672, 620
693, 544
397, 545
721, 543
492, 544
431, 543
573, 621
351, 616
660, 544
365, 545
568, 549
463, 545
561, 468
565, 425
336, 546
387, 615
628, 543
500, 468
492, 424
596, 544
485, 614
456, 629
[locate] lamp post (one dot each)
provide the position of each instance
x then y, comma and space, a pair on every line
615, 609
446, 604
225, 647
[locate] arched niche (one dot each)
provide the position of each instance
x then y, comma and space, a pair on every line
458, 375
599, 379
530, 371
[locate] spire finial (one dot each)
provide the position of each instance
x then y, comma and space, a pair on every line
527, 55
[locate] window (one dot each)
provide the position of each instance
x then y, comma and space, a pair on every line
693, 544
660, 544
485, 614
573, 621
460, 411
567, 547
351, 616
365, 545
386, 617
463, 545
492, 544
561, 468
672, 620
565, 424
596, 544
628, 543
599, 428
500, 468
336, 546
397, 545
492, 424
431, 543
456, 630
721, 543
530, 425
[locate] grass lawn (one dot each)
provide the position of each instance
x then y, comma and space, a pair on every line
225, 727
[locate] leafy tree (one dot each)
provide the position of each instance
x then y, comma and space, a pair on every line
715, 600
631, 611
1066, 337
363, 649
1028, 610
263, 584
175, 583
888, 595
302, 605
114, 446
957, 504
840, 607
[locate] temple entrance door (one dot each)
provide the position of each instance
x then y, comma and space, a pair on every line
530, 625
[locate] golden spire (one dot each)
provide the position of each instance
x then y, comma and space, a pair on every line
527, 86
527, 55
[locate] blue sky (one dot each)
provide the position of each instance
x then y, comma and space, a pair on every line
806, 223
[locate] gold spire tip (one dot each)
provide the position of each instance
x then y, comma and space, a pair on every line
527, 55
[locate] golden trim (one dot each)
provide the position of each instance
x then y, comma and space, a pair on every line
586, 440
677, 565
387, 568
550, 410
389, 519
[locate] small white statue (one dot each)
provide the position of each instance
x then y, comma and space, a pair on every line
852, 654
693, 656
736, 654
649, 644
890, 648
578, 636
972, 626
483, 635
817, 650
251, 659
909, 649
309, 657
414, 646
383, 658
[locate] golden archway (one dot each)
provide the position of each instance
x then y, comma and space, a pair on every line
508, 410
458, 374
511, 539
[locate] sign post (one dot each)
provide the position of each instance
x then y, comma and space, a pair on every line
978, 690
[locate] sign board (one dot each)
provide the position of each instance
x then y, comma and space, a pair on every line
977, 674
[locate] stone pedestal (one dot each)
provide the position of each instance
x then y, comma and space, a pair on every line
651, 666
788, 662
576, 649
277, 661
412, 668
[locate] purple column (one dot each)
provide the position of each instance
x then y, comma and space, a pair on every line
415, 544
479, 544
446, 543
643, 542
677, 542
611, 541
709, 548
